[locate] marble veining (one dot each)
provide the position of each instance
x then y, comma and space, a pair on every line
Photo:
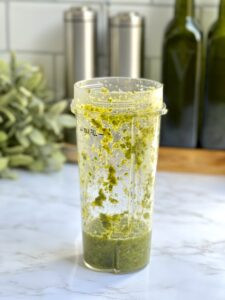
41, 253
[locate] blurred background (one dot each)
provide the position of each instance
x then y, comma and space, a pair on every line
35, 30
70, 40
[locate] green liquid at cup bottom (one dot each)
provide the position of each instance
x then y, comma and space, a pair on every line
116, 252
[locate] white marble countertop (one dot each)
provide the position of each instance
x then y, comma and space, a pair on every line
40, 242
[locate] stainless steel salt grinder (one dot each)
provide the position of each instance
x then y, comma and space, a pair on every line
126, 45
80, 46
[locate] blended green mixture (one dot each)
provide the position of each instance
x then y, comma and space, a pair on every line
117, 161
115, 245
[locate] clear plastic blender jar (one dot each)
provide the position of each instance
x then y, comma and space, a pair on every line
118, 125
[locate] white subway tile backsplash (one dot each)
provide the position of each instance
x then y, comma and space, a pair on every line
129, 1
156, 69
197, 2
102, 66
198, 16
170, 2
39, 26
208, 16
158, 21
59, 76
207, 2
44, 61
152, 68
36, 26
2, 26
4, 56
83, 2
36, 30
147, 68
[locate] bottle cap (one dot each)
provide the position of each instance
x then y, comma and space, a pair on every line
126, 19
82, 13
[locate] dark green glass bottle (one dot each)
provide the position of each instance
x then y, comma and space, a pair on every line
213, 133
181, 75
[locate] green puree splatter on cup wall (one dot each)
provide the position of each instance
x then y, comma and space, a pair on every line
117, 140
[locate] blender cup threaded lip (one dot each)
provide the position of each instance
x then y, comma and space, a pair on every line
97, 83
120, 93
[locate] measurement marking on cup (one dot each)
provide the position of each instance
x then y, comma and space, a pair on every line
90, 131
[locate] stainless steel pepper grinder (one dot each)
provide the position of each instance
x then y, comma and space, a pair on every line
80, 52
126, 45
80, 46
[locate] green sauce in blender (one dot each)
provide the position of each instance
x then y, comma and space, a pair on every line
122, 143
116, 244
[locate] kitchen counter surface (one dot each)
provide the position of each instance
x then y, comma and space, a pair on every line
40, 242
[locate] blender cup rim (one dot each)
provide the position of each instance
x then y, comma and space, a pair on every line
98, 82
123, 92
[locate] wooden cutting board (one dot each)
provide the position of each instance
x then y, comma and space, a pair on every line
178, 160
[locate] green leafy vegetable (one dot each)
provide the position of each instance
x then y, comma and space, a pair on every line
31, 123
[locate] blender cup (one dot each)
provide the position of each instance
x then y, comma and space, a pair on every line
118, 124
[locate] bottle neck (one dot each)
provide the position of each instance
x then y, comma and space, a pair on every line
184, 9
222, 11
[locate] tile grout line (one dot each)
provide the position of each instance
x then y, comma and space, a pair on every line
38, 52
86, 2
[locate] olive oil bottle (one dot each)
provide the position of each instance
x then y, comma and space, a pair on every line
213, 133
181, 75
